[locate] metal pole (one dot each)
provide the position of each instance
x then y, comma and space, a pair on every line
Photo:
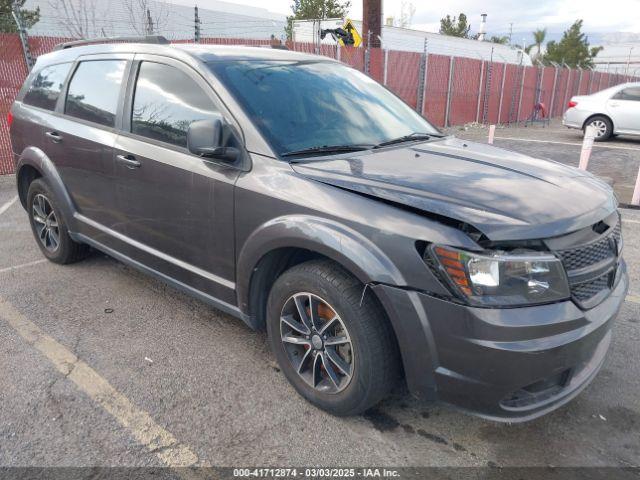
422, 79
504, 75
580, 81
566, 88
386, 65
367, 54
338, 53
480, 92
197, 25
452, 62
524, 74
553, 92
22, 33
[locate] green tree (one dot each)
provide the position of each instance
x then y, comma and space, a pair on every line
456, 26
573, 49
539, 37
501, 40
316, 9
8, 24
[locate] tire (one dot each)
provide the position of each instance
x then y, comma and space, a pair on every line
56, 244
371, 353
603, 126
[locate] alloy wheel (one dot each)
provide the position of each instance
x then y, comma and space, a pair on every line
317, 342
46, 223
600, 126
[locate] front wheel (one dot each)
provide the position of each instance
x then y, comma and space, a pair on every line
338, 352
603, 126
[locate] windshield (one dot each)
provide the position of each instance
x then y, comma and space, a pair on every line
302, 105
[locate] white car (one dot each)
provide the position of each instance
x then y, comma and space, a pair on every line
614, 111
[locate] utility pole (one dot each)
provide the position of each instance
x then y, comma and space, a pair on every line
372, 21
510, 31
196, 36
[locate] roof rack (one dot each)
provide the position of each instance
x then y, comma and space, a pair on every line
155, 39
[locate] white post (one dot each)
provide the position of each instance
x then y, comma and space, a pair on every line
492, 133
587, 145
635, 200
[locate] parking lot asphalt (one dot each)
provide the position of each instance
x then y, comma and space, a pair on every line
179, 382
616, 160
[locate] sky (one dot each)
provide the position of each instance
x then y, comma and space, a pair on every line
556, 15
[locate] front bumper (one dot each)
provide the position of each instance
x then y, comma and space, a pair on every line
504, 364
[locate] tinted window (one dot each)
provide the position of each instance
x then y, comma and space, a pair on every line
166, 101
46, 87
94, 90
629, 94
299, 105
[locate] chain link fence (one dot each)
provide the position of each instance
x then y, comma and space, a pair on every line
447, 90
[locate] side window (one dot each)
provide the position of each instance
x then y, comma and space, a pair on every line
166, 102
632, 94
94, 90
46, 86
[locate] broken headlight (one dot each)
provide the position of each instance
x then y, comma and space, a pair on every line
503, 279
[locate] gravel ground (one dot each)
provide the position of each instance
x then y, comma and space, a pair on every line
213, 384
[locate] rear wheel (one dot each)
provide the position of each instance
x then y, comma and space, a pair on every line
49, 228
603, 126
339, 354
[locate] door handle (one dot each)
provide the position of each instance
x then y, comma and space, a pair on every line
614, 105
54, 136
128, 161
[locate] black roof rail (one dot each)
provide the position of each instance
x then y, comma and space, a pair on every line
155, 39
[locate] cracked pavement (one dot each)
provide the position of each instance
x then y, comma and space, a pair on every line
214, 385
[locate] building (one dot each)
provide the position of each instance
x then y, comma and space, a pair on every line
397, 38
622, 58
97, 18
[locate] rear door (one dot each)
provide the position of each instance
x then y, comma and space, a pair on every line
178, 207
624, 109
81, 137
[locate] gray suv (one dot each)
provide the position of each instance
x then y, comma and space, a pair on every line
304, 198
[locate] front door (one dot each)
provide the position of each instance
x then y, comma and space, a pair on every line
178, 207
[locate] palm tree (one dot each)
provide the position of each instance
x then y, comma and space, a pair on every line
538, 39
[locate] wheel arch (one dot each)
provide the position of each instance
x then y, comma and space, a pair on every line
590, 117
34, 163
287, 241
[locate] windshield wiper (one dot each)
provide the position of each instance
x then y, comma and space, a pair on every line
409, 138
327, 149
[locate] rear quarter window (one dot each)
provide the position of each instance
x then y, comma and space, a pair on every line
94, 91
632, 94
46, 86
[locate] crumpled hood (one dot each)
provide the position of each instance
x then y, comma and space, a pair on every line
504, 194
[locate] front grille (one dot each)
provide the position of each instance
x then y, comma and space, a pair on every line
587, 290
585, 256
577, 261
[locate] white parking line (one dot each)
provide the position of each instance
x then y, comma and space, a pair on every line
139, 423
23, 265
6, 206
567, 143
625, 220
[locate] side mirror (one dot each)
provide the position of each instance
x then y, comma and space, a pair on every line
205, 138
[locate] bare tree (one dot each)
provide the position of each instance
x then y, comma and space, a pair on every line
407, 11
77, 17
146, 17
